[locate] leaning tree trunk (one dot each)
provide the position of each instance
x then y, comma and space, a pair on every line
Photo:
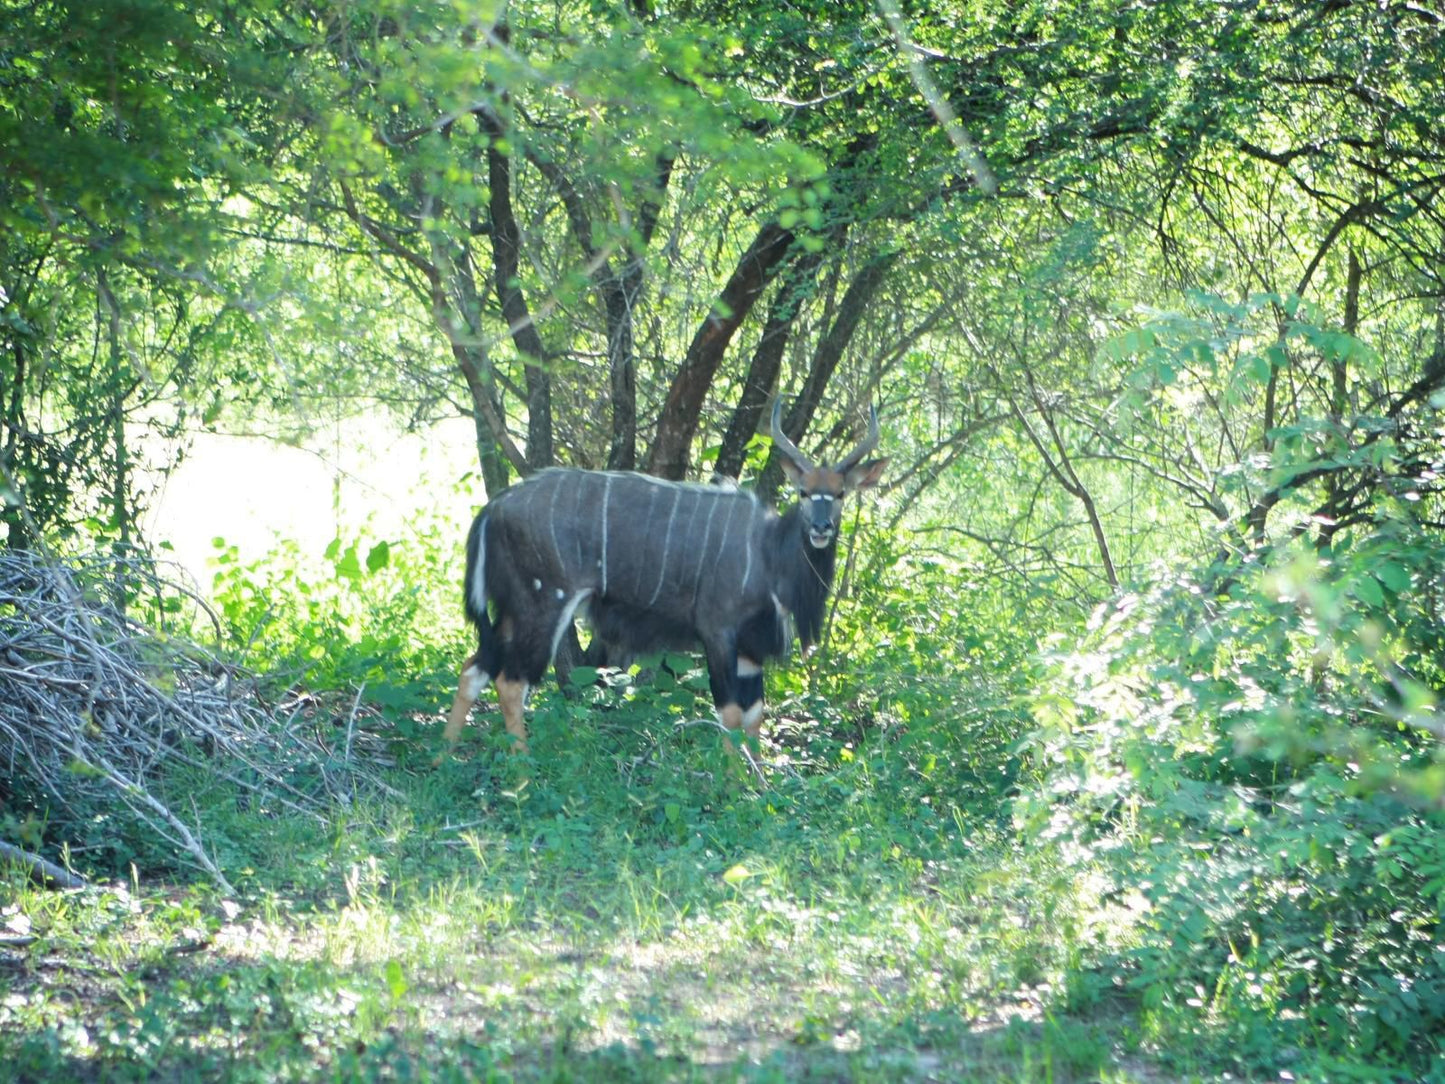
856, 299
683, 405
767, 361
506, 258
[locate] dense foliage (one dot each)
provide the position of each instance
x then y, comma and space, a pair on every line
1140, 645
1253, 757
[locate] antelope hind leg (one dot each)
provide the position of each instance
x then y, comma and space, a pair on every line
469, 688
510, 694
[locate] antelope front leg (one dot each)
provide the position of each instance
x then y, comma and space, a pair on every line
733, 719
750, 695
731, 676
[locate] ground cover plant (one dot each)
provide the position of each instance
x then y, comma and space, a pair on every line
1254, 758
625, 901
896, 900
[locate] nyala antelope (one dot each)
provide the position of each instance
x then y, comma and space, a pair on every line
657, 564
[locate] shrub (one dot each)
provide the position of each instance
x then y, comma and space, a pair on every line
1254, 757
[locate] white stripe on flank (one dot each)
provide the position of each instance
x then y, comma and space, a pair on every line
647, 526
552, 528
606, 497
702, 555
478, 585
568, 612
577, 521
747, 668
748, 560
666, 546
722, 542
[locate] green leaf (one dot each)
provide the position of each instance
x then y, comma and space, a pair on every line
1394, 576
395, 980
582, 675
1367, 590
378, 557
349, 565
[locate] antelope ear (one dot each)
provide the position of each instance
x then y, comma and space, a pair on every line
795, 473
865, 475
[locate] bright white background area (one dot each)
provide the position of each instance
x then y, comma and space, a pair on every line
363, 480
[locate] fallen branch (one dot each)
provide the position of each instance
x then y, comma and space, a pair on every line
95, 705
41, 869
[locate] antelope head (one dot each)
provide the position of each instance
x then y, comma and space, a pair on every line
821, 488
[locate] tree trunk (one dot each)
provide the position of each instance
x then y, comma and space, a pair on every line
683, 405
624, 290
767, 361
11, 518
856, 299
506, 258
1339, 392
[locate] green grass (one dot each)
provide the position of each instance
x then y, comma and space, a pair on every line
624, 904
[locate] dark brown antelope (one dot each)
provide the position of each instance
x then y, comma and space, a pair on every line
658, 564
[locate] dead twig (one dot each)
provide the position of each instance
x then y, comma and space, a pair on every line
95, 703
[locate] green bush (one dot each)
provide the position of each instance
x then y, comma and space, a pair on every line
386, 615
935, 659
1253, 758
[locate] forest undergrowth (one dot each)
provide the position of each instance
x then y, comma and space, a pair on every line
1131, 859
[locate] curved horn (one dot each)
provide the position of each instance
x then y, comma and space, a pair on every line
870, 441
781, 441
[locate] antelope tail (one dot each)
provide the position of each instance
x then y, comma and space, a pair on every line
480, 668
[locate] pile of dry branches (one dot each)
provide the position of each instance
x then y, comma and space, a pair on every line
93, 702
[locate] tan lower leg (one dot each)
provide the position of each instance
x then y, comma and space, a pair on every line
731, 716
468, 689
510, 695
734, 719
752, 720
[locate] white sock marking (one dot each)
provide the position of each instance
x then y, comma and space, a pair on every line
473, 682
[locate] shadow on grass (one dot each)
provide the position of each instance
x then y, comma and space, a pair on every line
276, 1021
621, 907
